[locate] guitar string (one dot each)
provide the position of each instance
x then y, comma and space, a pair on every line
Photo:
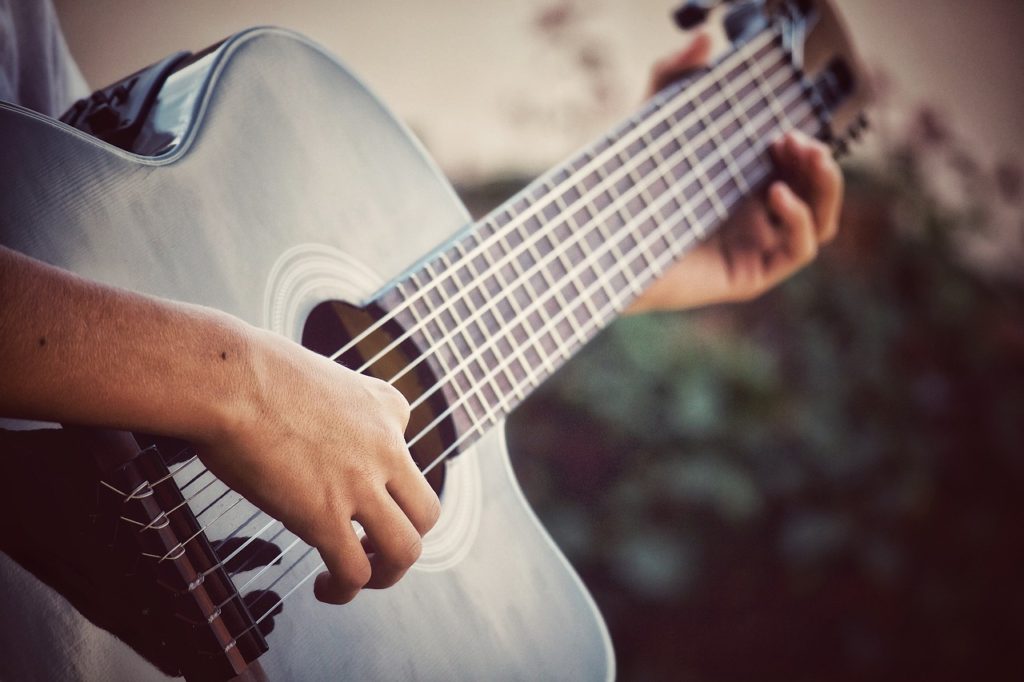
765, 169
648, 211
691, 88
530, 378
513, 257
704, 135
265, 526
269, 612
578, 239
650, 120
491, 416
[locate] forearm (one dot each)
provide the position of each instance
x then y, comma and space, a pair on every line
77, 351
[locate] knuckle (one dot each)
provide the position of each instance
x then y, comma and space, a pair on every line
355, 575
394, 400
384, 393
392, 442
403, 553
412, 549
433, 513
810, 252
428, 513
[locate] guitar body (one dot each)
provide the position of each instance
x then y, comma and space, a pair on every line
291, 185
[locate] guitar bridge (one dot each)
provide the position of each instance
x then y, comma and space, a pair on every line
174, 572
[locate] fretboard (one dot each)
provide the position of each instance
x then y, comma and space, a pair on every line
504, 305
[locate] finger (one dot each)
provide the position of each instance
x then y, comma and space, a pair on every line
416, 498
674, 67
764, 235
348, 568
396, 543
798, 239
809, 165
826, 181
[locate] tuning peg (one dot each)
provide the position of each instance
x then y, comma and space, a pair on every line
745, 20
692, 14
840, 147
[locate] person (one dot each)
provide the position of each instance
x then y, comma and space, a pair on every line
331, 440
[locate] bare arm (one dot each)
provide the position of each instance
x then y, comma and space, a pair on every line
310, 442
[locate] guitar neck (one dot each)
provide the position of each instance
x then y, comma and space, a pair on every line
506, 304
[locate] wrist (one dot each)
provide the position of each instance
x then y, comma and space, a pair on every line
233, 394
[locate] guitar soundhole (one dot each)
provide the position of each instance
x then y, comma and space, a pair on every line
333, 324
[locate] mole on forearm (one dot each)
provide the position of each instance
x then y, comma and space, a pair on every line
224, 355
42, 341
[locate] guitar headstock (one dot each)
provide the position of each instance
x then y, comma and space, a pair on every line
818, 41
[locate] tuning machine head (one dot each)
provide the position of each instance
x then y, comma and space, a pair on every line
693, 13
741, 21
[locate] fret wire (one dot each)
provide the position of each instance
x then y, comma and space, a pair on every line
429, 392
320, 564
528, 369
601, 189
557, 251
700, 165
559, 344
400, 286
461, 439
514, 307
717, 137
767, 96
524, 278
768, 40
597, 227
510, 287
640, 193
607, 239
750, 151
468, 339
690, 218
486, 332
661, 168
458, 373
570, 220
702, 177
530, 241
447, 271
459, 326
744, 119
535, 208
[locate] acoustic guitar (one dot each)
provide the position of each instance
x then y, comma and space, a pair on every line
262, 178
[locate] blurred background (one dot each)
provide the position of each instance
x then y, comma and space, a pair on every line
824, 484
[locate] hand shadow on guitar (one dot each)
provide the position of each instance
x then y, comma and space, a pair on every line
48, 514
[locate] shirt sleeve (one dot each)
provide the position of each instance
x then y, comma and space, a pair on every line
36, 67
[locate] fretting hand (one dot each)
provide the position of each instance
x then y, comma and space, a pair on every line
767, 240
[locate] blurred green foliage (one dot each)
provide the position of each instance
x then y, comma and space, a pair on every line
826, 483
